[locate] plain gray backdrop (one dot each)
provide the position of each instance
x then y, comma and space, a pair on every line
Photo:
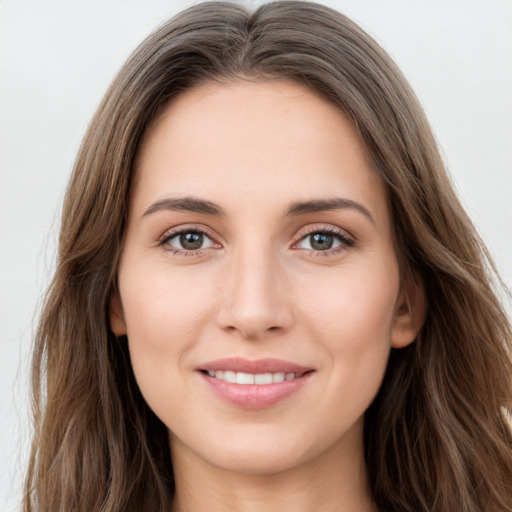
57, 59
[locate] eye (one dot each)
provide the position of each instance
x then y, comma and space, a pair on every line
324, 240
187, 241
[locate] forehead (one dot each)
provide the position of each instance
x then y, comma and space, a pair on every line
246, 139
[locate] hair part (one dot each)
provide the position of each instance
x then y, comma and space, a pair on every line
436, 436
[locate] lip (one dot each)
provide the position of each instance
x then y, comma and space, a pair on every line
254, 396
267, 365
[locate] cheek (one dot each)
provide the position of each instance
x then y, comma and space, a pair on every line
165, 301
354, 304
352, 318
353, 328
164, 315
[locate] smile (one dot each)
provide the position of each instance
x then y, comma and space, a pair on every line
254, 384
251, 378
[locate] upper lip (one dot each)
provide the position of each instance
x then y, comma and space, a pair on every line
266, 365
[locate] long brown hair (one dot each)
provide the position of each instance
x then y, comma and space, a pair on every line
436, 437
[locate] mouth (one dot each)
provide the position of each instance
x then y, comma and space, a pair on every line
254, 384
245, 379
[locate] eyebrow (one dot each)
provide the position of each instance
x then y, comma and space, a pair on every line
192, 204
187, 204
321, 205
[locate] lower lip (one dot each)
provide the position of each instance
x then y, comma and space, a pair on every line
255, 396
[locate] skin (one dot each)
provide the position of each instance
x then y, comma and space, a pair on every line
258, 288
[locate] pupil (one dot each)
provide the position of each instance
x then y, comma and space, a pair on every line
191, 241
321, 241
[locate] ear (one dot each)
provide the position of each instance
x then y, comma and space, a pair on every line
410, 312
117, 323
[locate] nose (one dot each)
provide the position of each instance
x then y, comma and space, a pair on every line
255, 301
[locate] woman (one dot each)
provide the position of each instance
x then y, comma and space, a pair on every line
268, 295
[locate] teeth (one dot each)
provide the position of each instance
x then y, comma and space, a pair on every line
251, 378
244, 378
263, 378
278, 377
229, 376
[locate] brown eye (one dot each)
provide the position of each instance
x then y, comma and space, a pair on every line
187, 241
191, 241
324, 241
321, 241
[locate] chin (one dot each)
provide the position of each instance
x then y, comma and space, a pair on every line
264, 450
257, 461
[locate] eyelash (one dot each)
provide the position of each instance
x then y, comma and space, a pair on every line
169, 235
345, 241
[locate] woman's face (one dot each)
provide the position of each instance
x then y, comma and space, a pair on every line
259, 250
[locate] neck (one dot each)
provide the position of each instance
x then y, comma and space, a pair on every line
336, 480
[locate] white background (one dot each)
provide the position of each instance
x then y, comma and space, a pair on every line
57, 59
